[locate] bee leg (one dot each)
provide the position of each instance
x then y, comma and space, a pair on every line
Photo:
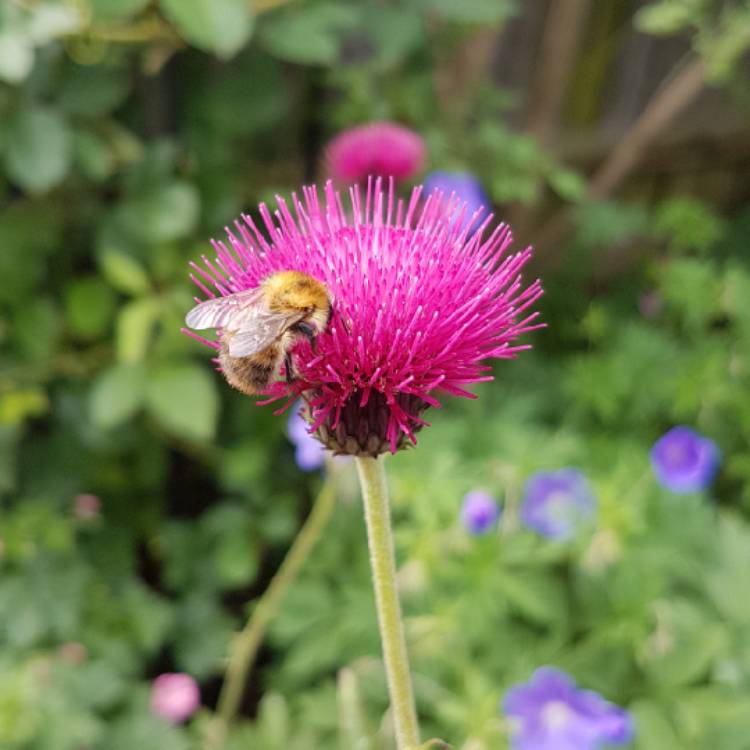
289, 368
307, 331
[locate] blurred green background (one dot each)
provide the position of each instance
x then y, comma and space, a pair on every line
613, 135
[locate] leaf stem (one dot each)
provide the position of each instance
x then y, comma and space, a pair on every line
246, 644
382, 560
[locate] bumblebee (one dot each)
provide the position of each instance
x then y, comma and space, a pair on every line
259, 327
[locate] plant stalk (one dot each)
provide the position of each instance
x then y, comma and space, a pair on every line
382, 561
246, 644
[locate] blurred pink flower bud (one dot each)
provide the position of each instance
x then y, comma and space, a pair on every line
87, 507
73, 653
379, 149
650, 303
175, 696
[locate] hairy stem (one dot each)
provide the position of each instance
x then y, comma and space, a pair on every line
382, 560
246, 644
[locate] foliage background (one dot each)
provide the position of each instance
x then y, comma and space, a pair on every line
130, 132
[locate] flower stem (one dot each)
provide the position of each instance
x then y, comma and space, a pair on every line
246, 644
382, 560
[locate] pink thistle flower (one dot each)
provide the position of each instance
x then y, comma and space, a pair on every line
175, 696
421, 298
382, 149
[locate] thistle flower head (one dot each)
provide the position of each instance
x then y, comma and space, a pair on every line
382, 149
175, 696
556, 503
419, 306
550, 713
479, 512
685, 461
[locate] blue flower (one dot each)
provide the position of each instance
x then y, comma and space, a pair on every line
479, 512
466, 187
685, 461
550, 713
308, 452
556, 503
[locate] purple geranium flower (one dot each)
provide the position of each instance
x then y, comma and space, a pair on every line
685, 461
308, 452
550, 713
464, 185
479, 512
556, 503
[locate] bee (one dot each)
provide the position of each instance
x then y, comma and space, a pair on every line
259, 327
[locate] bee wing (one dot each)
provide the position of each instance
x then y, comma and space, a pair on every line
260, 328
223, 312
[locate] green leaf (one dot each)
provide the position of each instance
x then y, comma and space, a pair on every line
36, 326
567, 184
18, 405
117, 395
49, 21
162, 214
353, 726
471, 11
37, 149
534, 595
727, 583
115, 10
667, 17
202, 634
684, 645
93, 156
688, 224
16, 55
693, 287
220, 26
609, 223
274, 722
123, 271
89, 304
144, 730
92, 91
135, 325
310, 35
184, 400
234, 554
655, 730
395, 31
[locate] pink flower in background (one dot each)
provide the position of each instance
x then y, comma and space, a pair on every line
175, 696
381, 149
87, 507
73, 652
422, 300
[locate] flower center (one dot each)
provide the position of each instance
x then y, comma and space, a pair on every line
556, 715
681, 456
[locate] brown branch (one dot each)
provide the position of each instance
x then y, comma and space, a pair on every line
563, 27
681, 90
562, 32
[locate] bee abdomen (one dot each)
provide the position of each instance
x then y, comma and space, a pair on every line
253, 374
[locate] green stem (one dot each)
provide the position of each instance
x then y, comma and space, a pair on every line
383, 563
246, 644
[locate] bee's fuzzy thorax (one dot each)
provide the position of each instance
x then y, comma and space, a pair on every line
423, 299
